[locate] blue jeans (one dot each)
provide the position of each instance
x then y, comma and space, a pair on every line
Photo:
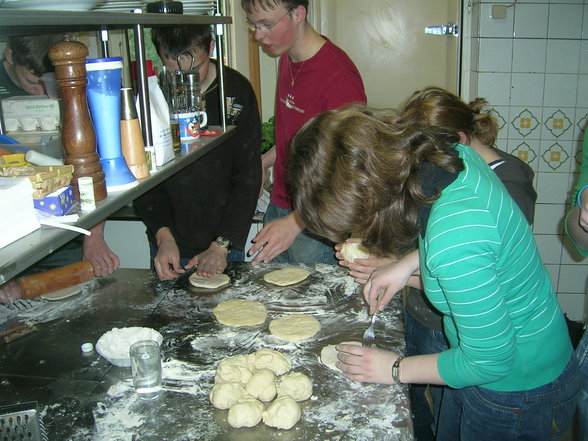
540, 414
422, 340
307, 248
582, 355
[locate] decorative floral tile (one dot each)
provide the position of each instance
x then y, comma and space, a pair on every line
500, 120
555, 157
557, 123
524, 152
525, 123
582, 122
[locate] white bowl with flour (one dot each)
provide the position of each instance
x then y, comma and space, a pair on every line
114, 345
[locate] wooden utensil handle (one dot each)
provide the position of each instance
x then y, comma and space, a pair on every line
55, 279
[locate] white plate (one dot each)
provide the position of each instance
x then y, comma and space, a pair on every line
114, 345
59, 5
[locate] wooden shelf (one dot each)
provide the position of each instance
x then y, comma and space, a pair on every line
21, 254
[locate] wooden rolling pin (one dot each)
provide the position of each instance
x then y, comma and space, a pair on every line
55, 279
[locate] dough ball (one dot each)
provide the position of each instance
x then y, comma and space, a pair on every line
224, 395
296, 385
262, 385
233, 370
329, 354
238, 312
245, 413
295, 327
286, 276
354, 250
216, 281
283, 413
270, 359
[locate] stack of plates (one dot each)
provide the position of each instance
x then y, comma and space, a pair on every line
56, 5
200, 7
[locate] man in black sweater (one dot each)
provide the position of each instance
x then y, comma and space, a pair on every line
201, 216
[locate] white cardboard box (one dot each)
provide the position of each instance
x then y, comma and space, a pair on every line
18, 212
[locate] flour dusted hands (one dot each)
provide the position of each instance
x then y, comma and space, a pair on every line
167, 259
97, 252
386, 281
361, 269
367, 365
211, 261
275, 238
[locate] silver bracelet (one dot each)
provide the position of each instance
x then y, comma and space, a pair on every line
396, 370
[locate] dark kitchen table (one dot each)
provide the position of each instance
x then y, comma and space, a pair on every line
83, 397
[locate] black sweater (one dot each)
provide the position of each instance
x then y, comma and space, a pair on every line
217, 194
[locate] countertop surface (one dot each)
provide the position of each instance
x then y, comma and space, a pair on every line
83, 397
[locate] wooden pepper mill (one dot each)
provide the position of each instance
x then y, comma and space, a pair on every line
77, 131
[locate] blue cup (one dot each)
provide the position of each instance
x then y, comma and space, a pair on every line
103, 90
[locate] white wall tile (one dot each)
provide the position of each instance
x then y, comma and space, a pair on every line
585, 23
553, 271
563, 56
583, 68
572, 279
558, 124
552, 188
548, 219
570, 255
495, 87
555, 156
525, 149
118, 234
574, 306
560, 90
527, 89
565, 21
582, 90
531, 20
495, 55
549, 247
529, 55
495, 27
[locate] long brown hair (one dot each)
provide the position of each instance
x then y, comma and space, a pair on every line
438, 107
356, 169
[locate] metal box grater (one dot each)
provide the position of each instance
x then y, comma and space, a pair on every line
21, 422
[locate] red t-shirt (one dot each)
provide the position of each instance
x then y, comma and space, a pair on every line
326, 81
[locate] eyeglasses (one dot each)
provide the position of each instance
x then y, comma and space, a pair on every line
264, 28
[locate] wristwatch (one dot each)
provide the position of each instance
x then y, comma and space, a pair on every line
396, 370
222, 242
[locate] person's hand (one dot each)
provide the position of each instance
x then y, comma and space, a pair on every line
97, 252
167, 260
10, 292
387, 280
362, 269
210, 262
275, 237
367, 365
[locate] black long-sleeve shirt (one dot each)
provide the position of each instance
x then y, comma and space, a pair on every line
217, 194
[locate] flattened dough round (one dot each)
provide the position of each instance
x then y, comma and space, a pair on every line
295, 327
286, 276
354, 250
62, 293
238, 312
329, 354
213, 282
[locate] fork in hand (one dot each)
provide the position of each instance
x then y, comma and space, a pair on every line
369, 336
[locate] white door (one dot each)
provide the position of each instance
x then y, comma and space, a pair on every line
387, 41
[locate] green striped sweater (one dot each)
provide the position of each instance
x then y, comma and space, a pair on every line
481, 268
